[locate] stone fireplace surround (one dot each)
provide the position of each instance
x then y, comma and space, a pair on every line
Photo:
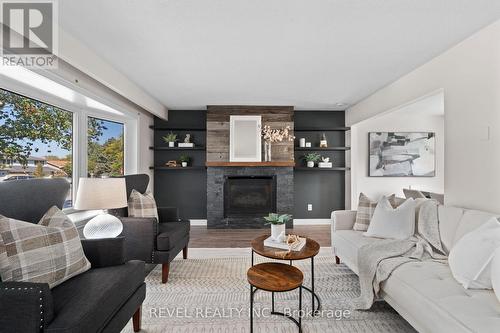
215, 194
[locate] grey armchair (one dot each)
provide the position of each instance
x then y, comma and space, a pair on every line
155, 242
103, 299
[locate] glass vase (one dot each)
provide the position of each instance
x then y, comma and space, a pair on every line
267, 151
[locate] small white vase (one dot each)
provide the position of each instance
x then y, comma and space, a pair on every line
302, 142
171, 144
276, 230
184, 164
310, 164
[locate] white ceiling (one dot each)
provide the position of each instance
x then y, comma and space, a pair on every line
310, 54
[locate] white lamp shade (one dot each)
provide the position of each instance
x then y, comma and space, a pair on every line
101, 193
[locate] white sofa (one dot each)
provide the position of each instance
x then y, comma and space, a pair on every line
425, 293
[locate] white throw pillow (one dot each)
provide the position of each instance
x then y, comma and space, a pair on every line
395, 223
470, 258
495, 273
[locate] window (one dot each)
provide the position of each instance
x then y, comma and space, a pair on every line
105, 148
36, 140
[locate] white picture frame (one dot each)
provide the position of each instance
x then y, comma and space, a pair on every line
245, 138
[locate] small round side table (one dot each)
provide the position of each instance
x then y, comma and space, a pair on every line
309, 251
275, 277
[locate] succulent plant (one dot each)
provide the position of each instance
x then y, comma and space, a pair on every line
274, 218
170, 137
184, 158
312, 157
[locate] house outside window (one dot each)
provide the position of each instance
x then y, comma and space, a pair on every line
33, 135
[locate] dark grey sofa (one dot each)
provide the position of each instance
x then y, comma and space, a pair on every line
103, 299
155, 242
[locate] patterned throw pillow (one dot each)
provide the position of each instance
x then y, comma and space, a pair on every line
47, 252
142, 205
366, 208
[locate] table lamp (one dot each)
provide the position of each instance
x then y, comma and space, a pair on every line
101, 193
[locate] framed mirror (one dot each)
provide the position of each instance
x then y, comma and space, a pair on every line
245, 139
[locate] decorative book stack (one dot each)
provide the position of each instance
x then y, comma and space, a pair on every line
283, 245
325, 165
185, 145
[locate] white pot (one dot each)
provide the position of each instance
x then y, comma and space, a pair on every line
184, 164
310, 164
276, 230
171, 144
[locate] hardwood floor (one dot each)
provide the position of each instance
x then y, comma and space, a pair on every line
201, 237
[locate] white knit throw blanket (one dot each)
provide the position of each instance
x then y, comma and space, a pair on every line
376, 261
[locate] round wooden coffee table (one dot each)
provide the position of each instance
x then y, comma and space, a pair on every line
275, 277
309, 251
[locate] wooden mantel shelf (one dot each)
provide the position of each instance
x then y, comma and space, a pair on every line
251, 164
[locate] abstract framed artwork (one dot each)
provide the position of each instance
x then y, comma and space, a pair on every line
402, 154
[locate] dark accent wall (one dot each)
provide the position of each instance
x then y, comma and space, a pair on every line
324, 189
182, 188
187, 189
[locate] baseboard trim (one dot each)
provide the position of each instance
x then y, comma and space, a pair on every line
200, 222
311, 221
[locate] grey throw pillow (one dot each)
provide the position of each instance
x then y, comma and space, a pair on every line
142, 205
47, 252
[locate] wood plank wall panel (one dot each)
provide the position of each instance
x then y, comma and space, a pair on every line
218, 129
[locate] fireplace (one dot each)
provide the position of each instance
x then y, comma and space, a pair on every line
238, 197
249, 196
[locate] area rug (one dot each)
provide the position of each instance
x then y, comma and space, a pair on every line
211, 295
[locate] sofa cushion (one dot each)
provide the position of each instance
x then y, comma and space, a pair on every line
87, 302
171, 233
366, 208
470, 258
142, 205
449, 219
471, 220
394, 223
448, 307
347, 244
47, 252
495, 273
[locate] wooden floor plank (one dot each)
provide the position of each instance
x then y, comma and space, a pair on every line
201, 237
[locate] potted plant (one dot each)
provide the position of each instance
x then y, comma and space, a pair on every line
311, 158
184, 160
170, 138
278, 225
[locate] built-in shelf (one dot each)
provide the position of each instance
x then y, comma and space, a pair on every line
322, 149
321, 169
159, 128
176, 148
251, 164
305, 129
179, 168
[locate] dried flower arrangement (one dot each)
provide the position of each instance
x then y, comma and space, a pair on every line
277, 134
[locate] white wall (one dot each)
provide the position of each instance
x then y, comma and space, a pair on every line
420, 116
145, 137
469, 75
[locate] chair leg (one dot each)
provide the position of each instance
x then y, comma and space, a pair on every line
136, 319
164, 272
185, 252
337, 260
